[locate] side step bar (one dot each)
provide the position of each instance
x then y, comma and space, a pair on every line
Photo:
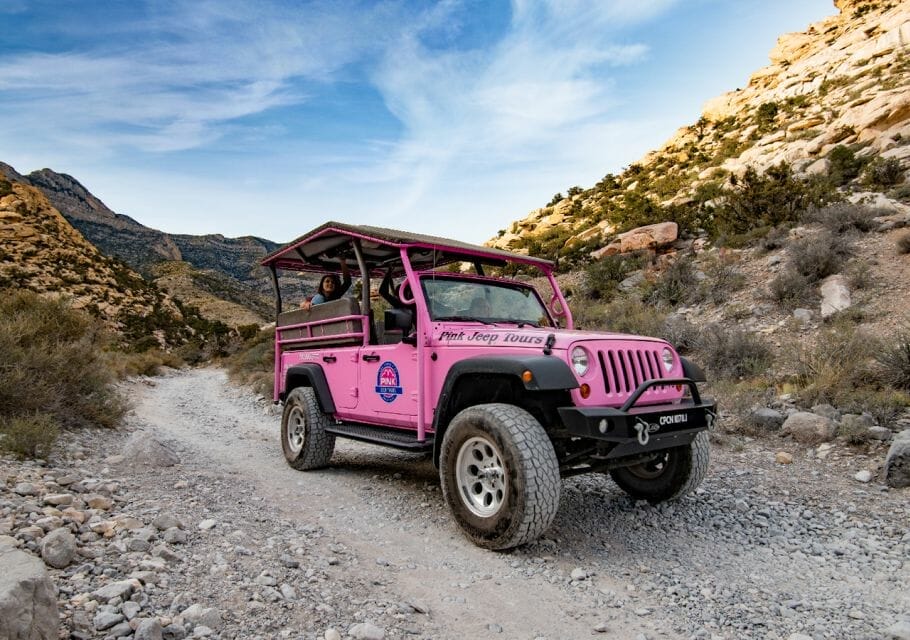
385, 436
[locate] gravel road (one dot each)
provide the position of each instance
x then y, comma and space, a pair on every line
762, 550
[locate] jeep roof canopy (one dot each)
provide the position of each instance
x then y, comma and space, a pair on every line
320, 250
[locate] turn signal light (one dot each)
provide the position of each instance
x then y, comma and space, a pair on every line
527, 376
585, 390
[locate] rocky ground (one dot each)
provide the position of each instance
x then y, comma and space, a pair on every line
213, 535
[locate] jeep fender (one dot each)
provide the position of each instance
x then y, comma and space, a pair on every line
692, 370
548, 373
310, 375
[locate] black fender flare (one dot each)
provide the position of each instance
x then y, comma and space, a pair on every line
692, 370
548, 373
310, 375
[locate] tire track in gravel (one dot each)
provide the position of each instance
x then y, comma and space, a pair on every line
386, 506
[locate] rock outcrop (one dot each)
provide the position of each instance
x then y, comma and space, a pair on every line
843, 81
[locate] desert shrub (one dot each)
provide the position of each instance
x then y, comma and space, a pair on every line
28, 436
677, 284
681, 333
248, 331
767, 200
818, 256
842, 217
765, 115
254, 363
859, 274
903, 243
6, 187
884, 405
722, 279
53, 363
625, 314
836, 366
603, 276
844, 165
145, 363
776, 238
883, 173
732, 353
894, 360
145, 343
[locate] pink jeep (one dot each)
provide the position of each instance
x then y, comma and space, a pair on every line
485, 374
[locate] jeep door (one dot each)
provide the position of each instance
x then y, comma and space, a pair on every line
388, 384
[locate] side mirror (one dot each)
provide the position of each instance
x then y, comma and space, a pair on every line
398, 319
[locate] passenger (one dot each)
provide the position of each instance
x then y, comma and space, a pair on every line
387, 291
330, 288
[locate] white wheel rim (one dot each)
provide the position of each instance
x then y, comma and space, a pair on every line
296, 430
481, 477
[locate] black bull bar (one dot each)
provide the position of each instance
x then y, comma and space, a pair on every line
646, 428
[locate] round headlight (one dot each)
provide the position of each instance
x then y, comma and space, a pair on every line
580, 361
667, 356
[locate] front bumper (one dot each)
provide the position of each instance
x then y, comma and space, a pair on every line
646, 428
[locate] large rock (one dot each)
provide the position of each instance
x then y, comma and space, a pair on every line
809, 428
58, 548
652, 236
835, 295
897, 462
28, 603
143, 449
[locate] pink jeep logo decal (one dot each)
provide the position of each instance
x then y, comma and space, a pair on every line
388, 382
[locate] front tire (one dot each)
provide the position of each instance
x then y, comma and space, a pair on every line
674, 473
499, 475
304, 441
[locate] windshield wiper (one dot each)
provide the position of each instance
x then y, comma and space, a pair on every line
462, 319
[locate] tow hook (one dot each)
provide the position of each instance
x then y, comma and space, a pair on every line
710, 417
641, 428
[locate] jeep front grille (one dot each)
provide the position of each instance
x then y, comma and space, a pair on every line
625, 369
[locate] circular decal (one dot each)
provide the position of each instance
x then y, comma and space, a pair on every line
388, 382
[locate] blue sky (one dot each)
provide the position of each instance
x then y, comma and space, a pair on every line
453, 118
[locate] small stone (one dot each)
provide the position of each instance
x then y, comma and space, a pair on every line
58, 548
175, 536
782, 457
166, 521
102, 503
198, 615
137, 545
130, 609
900, 630
579, 574
207, 524
58, 499
173, 632
149, 629
331, 634
856, 614
494, 628
25, 489
105, 620
882, 434
766, 418
202, 631
122, 589
601, 628
288, 592
799, 636
863, 476
366, 631
897, 461
809, 428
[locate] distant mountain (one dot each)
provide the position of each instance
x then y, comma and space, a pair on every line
232, 263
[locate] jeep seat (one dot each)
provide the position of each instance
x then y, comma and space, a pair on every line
328, 333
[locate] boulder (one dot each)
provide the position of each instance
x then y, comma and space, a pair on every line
766, 418
897, 462
143, 449
197, 615
58, 548
835, 295
28, 603
809, 428
652, 236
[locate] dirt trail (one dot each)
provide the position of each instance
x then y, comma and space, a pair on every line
761, 551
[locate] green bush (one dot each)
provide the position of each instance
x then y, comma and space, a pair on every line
603, 276
732, 353
844, 166
28, 436
54, 363
253, 364
675, 285
791, 289
625, 314
722, 279
771, 199
837, 366
766, 115
882, 173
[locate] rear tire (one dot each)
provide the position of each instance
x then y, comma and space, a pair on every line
499, 475
675, 473
304, 441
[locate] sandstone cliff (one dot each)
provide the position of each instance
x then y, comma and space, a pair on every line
842, 83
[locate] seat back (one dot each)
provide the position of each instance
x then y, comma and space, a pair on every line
321, 328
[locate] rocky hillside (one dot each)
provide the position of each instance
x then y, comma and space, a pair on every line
231, 261
42, 252
833, 105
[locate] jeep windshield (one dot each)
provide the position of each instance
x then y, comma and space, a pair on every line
489, 301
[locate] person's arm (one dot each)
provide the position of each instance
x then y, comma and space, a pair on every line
345, 278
